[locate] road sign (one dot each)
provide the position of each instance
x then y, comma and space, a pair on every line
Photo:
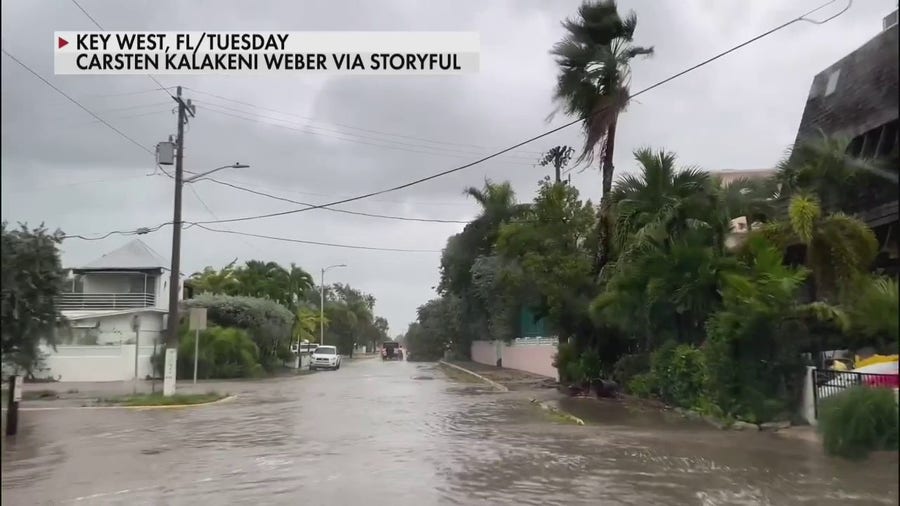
198, 318
17, 388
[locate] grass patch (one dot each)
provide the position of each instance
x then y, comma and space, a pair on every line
159, 399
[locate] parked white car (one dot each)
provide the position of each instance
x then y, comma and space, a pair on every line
325, 357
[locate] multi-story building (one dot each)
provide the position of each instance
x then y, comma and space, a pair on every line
856, 98
102, 298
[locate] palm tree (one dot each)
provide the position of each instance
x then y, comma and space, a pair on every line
837, 248
559, 157
663, 201
213, 281
299, 282
594, 62
753, 199
498, 205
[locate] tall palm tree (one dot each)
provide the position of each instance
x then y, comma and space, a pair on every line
594, 60
299, 281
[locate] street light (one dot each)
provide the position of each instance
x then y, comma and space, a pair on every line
175, 274
196, 177
322, 303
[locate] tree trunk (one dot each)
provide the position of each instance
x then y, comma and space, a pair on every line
604, 228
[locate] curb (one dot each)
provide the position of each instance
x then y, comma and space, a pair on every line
497, 386
553, 409
133, 408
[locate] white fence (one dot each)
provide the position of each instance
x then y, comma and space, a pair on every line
96, 363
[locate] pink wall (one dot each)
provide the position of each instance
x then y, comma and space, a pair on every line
533, 358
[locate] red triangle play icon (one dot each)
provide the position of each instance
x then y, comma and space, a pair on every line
62, 42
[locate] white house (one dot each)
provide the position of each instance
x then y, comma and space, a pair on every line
114, 306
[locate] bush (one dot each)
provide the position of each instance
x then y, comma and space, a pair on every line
566, 354
641, 385
224, 353
629, 366
680, 375
267, 322
858, 421
591, 366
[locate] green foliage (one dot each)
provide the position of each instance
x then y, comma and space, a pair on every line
642, 385
224, 353
548, 248
858, 421
630, 365
679, 373
872, 310
268, 323
31, 279
591, 365
436, 330
567, 355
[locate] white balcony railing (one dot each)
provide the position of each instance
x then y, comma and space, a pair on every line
104, 301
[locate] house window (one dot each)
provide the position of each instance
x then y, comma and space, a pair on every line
831, 85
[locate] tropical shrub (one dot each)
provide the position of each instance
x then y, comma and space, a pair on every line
566, 354
680, 375
642, 385
268, 323
629, 366
858, 421
224, 353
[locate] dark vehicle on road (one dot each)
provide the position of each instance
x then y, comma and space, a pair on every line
391, 351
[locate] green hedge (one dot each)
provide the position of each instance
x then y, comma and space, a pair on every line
858, 421
267, 322
224, 353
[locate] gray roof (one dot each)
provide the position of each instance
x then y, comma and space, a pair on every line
134, 255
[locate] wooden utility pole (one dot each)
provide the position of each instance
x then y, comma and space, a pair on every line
184, 109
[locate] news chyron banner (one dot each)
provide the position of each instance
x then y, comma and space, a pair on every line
248, 53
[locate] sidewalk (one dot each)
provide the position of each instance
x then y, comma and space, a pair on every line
511, 378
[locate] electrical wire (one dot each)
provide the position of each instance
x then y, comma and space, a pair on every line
317, 243
345, 211
85, 109
349, 127
348, 139
496, 154
352, 137
86, 13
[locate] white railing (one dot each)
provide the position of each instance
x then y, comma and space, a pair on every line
537, 340
88, 301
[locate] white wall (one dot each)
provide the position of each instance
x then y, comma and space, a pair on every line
529, 355
116, 329
96, 363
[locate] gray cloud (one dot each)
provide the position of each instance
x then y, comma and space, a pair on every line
63, 168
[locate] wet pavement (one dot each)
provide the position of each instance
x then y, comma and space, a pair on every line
371, 434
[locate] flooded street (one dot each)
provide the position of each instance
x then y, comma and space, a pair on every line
394, 433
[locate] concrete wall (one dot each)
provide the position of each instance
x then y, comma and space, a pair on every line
116, 329
533, 358
96, 363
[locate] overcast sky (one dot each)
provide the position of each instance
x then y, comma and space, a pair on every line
62, 167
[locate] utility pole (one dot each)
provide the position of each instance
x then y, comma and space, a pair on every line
559, 156
175, 277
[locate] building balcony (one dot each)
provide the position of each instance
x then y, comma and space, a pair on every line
104, 301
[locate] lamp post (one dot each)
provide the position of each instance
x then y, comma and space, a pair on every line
175, 278
197, 177
322, 303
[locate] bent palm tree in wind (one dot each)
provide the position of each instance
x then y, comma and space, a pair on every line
594, 62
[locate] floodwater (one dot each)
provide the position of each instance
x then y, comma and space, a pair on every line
370, 434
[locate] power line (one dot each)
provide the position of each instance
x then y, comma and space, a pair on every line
86, 13
345, 211
353, 136
347, 139
349, 127
549, 132
85, 109
317, 243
